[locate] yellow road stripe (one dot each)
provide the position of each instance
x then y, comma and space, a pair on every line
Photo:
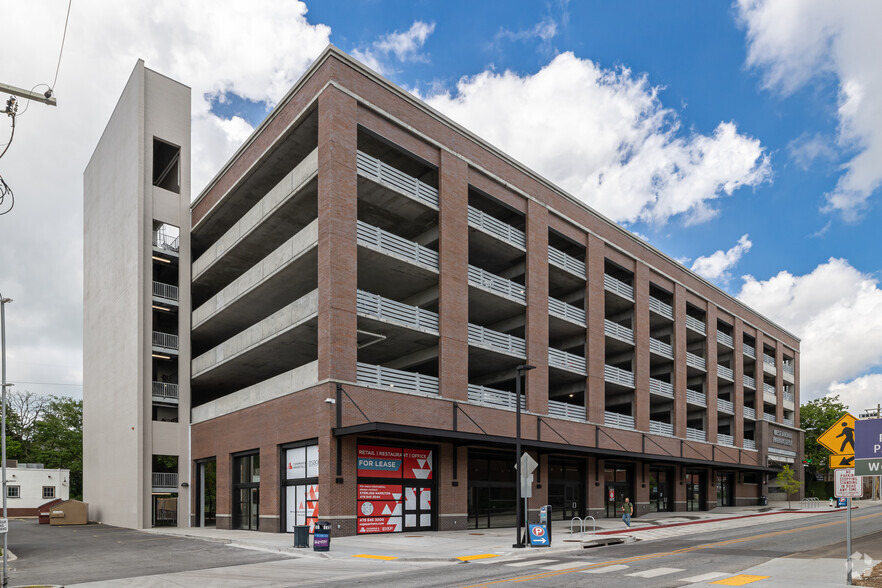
478, 556
740, 580
382, 557
541, 576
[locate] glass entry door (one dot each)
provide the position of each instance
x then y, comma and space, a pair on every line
725, 489
661, 497
695, 491
417, 509
206, 473
246, 492
617, 487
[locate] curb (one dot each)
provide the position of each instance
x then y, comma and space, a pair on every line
683, 524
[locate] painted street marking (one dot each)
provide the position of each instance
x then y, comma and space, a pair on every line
655, 572
740, 580
476, 557
563, 566
615, 568
489, 561
703, 577
530, 562
381, 557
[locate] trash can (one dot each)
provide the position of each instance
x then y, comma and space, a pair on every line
321, 536
764, 501
301, 536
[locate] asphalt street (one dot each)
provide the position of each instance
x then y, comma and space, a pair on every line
74, 554
698, 558
780, 550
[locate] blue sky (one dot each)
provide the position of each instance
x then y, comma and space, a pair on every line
742, 139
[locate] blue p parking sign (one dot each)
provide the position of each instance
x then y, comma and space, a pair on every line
539, 536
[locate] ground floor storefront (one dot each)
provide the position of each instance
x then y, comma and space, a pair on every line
399, 484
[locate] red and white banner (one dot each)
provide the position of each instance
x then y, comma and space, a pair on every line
379, 525
418, 464
379, 492
379, 462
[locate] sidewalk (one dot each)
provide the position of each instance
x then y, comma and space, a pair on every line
475, 544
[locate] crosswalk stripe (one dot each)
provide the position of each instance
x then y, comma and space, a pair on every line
615, 568
703, 577
530, 562
655, 572
563, 566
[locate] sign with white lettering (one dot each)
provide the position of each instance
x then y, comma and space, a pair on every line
846, 484
868, 447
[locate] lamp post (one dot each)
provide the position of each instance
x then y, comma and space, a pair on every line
3, 385
520, 374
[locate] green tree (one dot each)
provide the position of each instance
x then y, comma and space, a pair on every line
58, 440
788, 483
816, 417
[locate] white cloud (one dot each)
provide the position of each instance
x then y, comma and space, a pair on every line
544, 30
605, 137
859, 394
797, 42
716, 266
404, 46
835, 309
214, 47
807, 149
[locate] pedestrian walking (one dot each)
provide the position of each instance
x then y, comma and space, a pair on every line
627, 511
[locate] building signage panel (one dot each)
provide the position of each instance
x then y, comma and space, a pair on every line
312, 461
846, 484
367, 525
379, 492
296, 463
301, 462
302, 503
418, 464
868, 447
379, 462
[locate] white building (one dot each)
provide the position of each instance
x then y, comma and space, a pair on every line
136, 300
30, 485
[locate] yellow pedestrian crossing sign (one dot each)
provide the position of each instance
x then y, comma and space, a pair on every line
839, 439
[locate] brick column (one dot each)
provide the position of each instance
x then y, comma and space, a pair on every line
679, 341
453, 284
710, 346
270, 519
779, 381
759, 373
337, 249
223, 498
537, 307
796, 389
595, 387
738, 370
640, 324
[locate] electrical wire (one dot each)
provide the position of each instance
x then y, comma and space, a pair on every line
6, 192
61, 51
11, 136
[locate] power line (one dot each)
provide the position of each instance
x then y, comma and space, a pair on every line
61, 51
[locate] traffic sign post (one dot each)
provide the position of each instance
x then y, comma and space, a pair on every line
839, 439
847, 485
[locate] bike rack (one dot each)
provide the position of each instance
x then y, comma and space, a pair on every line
582, 525
811, 503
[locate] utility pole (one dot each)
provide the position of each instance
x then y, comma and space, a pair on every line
46, 97
3, 302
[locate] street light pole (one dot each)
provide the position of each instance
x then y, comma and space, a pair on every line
3, 385
519, 374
